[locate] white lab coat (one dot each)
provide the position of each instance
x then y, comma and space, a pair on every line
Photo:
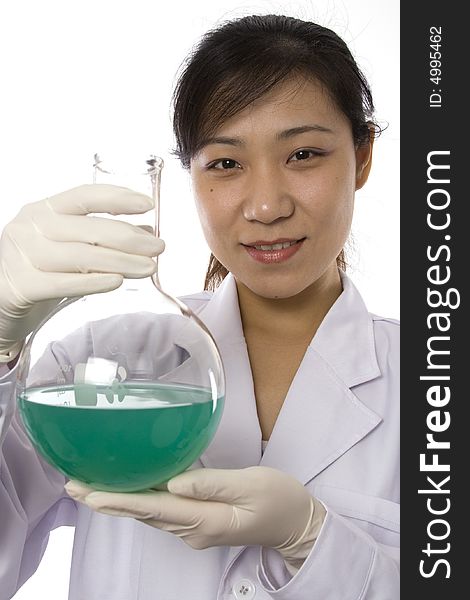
337, 433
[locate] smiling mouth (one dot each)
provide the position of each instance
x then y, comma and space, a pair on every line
273, 246
275, 252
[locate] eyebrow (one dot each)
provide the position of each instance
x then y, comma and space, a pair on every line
281, 135
287, 133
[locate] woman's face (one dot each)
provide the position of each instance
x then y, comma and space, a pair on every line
274, 189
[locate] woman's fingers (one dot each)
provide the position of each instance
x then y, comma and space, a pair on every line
71, 285
99, 198
33, 229
52, 257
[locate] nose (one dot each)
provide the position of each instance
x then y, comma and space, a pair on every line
267, 197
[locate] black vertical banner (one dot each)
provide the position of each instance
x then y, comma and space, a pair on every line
435, 269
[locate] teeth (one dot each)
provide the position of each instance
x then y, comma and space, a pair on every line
276, 246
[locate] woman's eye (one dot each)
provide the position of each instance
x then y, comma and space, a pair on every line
224, 164
304, 155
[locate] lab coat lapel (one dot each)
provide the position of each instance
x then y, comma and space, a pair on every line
321, 417
320, 420
237, 441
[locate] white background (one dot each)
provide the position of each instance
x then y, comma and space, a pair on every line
78, 77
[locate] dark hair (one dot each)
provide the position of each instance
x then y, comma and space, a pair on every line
240, 61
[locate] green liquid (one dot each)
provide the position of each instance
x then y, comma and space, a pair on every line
120, 447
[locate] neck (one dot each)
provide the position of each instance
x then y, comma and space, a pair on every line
291, 320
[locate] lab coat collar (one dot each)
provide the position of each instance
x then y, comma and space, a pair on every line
321, 418
345, 338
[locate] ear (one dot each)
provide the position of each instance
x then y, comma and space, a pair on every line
364, 161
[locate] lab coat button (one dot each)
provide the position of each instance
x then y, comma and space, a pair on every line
244, 590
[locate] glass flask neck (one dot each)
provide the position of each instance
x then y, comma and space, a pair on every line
145, 179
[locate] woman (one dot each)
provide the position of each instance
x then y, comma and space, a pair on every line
273, 119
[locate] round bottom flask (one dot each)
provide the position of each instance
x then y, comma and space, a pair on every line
125, 389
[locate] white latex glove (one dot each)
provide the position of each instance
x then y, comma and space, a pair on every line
221, 507
53, 250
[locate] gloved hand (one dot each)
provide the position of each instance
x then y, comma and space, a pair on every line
53, 250
223, 507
